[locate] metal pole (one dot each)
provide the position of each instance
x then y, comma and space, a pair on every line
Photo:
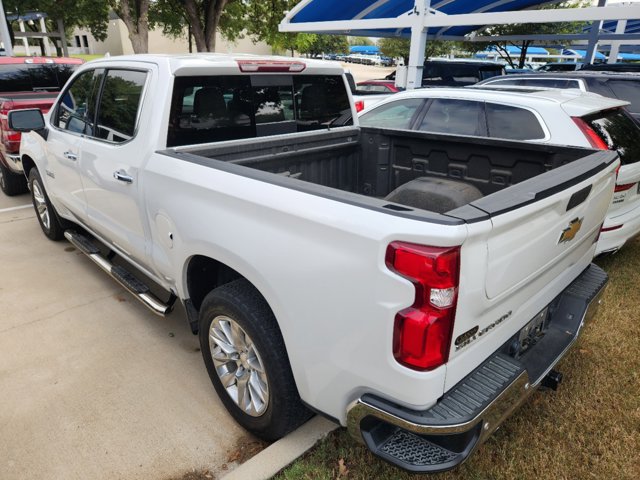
418, 44
4, 32
615, 46
63, 38
592, 47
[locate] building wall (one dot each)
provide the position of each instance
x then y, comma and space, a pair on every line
118, 43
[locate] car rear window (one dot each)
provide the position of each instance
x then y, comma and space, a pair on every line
217, 108
619, 131
34, 77
628, 90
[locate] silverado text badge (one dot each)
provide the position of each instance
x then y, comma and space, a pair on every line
571, 231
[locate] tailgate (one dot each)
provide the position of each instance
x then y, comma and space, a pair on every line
542, 225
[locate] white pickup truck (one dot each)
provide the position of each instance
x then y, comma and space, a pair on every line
414, 287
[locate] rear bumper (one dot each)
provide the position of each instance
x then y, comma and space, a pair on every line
614, 239
445, 435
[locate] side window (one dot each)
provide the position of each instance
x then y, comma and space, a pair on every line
398, 114
76, 108
513, 123
457, 117
119, 105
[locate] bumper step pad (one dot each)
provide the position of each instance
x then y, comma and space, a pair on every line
443, 436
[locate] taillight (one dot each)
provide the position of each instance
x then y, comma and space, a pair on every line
594, 139
359, 105
271, 66
422, 332
624, 187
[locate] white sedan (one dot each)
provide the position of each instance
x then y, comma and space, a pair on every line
568, 117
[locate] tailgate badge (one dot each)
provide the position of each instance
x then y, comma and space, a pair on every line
571, 231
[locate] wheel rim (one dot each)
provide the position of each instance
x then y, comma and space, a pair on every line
238, 366
41, 204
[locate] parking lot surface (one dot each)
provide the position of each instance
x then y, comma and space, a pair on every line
93, 385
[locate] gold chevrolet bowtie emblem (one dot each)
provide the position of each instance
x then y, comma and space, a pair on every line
571, 231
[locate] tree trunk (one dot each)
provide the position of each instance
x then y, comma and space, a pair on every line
204, 25
137, 23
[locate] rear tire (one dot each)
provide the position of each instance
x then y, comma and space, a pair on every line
49, 221
11, 183
246, 359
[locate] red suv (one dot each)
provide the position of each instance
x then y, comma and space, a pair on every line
26, 82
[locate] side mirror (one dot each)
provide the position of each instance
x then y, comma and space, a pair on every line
26, 120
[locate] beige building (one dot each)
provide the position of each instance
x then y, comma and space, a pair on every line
118, 43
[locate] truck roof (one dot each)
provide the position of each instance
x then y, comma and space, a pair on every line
188, 63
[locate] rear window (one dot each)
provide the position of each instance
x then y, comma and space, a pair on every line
628, 90
619, 131
457, 74
210, 109
34, 77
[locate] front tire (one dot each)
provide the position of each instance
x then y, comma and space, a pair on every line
50, 224
246, 359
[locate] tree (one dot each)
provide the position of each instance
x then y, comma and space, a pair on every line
399, 47
90, 14
366, 41
314, 45
135, 15
529, 29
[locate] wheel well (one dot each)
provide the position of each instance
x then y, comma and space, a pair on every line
204, 274
27, 164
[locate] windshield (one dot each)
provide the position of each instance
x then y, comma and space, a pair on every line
619, 131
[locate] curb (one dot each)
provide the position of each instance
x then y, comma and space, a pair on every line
278, 455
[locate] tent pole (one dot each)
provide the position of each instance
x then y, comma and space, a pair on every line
615, 46
418, 44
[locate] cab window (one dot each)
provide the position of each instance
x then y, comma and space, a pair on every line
76, 108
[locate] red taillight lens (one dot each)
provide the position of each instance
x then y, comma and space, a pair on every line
594, 139
624, 187
422, 332
359, 105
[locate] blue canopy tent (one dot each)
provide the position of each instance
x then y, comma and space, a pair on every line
365, 49
582, 53
435, 19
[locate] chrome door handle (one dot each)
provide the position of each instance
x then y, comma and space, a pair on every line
122, 176
70, 156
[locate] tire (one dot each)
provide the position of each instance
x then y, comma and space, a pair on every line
12, 183
260, 391
49, 221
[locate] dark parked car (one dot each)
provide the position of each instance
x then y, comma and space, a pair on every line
625, 86
614, 67
560, 67
456, 73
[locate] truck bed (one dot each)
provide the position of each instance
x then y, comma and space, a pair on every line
373, 162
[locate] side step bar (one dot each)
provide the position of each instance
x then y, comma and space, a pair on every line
137, 288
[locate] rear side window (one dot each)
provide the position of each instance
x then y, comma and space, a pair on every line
33, 77
456, 117
619, 131
216, 108
119, 105
513, 123
628, 90
398, 114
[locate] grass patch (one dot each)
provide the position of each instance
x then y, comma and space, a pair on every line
588, 429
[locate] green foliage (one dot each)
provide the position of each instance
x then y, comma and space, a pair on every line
399, 47
313, 44
366, 41
90, 14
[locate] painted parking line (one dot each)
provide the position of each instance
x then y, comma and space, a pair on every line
12, 209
